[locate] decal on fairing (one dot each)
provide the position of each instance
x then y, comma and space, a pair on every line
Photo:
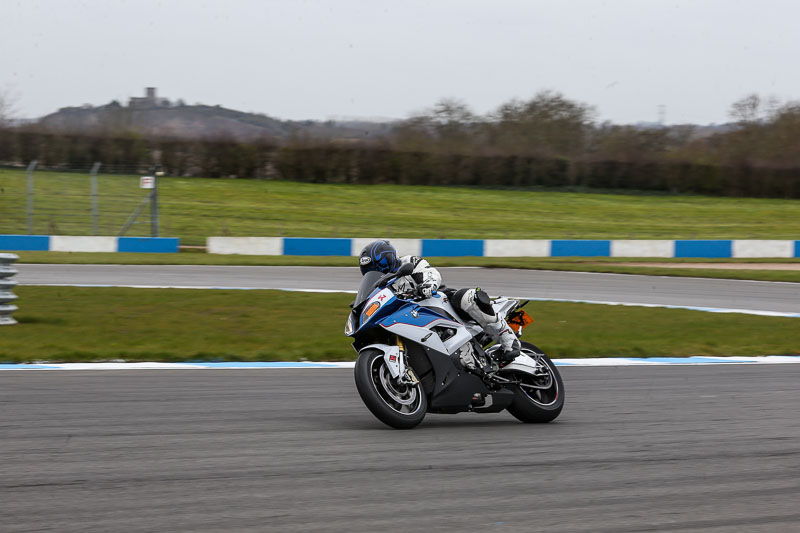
372, 307
394, 363
381, 298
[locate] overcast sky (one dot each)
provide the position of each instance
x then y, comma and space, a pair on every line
297, 59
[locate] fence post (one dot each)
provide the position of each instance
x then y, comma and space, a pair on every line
29, 209
95, 211
6, 286
154, 201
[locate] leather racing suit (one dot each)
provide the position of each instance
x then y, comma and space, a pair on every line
425, 280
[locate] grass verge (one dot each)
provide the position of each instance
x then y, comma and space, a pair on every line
82, 324
194, 208
601, 264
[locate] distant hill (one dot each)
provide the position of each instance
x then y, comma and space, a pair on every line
150, 115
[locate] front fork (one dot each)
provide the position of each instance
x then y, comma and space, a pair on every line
407, 375
397, 363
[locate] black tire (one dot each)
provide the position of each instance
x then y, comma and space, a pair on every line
383, 397
539, 406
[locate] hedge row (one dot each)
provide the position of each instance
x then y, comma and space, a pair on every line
328, 165
349, 164
212, 158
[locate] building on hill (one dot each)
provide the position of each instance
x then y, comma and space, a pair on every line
148, 100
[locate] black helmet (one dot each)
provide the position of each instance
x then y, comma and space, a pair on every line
380, 256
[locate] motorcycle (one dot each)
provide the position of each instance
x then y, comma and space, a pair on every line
419, 356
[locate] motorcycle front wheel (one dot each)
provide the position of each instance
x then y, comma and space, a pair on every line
396, 404
541, 397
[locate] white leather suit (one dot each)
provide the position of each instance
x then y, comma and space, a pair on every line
425, 280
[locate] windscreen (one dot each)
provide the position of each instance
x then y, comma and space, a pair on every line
368, 284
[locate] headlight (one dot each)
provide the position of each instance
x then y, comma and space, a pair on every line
349, 328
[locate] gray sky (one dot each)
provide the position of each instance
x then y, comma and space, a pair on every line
299, 59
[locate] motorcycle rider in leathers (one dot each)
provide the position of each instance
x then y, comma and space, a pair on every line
425, 280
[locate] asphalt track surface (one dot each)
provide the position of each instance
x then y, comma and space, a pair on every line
730, 294
711, 448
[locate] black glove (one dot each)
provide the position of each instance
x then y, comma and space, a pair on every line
425, 291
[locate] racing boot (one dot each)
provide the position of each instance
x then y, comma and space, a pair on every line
477, 305
502, 333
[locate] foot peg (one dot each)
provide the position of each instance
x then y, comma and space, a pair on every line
504, 357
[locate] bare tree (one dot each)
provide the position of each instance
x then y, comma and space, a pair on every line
449, 126
747, 110
766, 127
549, 124
7, 108
780, 144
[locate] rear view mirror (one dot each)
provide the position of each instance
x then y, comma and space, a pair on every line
405, 269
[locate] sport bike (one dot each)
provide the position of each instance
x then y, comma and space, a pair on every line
418, 356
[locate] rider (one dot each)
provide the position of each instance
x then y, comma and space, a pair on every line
382, 256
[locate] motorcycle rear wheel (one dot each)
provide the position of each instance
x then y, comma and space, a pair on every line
396, 404
537, 405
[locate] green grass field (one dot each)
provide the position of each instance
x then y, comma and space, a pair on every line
194, 208
81, 324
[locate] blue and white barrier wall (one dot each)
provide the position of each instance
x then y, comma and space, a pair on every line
423, 247
510, 248
69, 243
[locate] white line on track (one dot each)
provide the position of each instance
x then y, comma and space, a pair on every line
604, 361
214, 288
793, 283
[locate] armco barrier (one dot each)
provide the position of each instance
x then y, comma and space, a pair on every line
75, 243
510, 248
7, 297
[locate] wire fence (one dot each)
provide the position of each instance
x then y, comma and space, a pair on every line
72, 202
110, 202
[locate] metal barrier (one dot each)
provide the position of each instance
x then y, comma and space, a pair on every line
7, 297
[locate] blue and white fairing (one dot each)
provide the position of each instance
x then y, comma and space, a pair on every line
420, 321
417, 322
358, 319
412, 320
433, 325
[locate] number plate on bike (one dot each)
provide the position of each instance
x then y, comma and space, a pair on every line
518, 320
